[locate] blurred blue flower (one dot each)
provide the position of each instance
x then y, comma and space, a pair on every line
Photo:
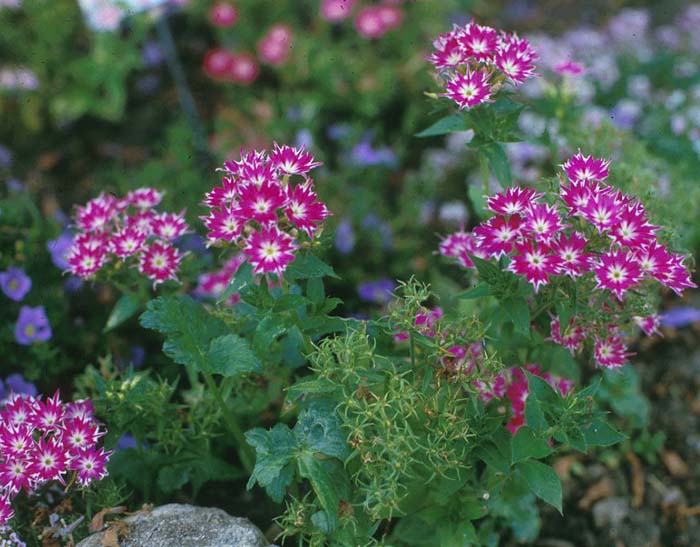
345, 237
680, 317
377, 291
338, 131
32, 325
304, 138
60, 249
151, 54
73, 284
5, 156
17, 384
365, 155
15, 283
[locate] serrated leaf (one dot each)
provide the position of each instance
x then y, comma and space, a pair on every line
269, 329
274, 450
600, 433
125, 308
543, 482
448, 124
230, 355
526, 444
318, 429
187, 327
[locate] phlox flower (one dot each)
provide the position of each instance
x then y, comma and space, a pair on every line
515, 61
580, 168
617, 271
602, 210
449, 53
577, 194
649, 323
632, 228
497, 235
571, 250
469, 89
292, 161
48, 415
223, 224
127, 242
159, 261
49, 460
572, 338
270, 250
91, 464
144, 198
542, 222
611, 352
223, 15
335, 11
514, 200
535, 262
303, 210
260, 203
169, 225
479, 42
460, 245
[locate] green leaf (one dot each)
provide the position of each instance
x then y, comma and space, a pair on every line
600, 433
173, 477
482, 289
309, 266
240, 280
274, 451
187, 327
576, 439
488, 271
519, 313
498, 162
534, 415
124, 309
526, 444
541, 389
270, 328
315, 290
319, 430
543, 482
230, 355
448, 124
329, 481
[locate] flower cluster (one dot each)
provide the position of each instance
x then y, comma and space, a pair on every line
370, 22
213, 284
476, 59
128, 229
42, 441
260, 208
593, 232
512, 384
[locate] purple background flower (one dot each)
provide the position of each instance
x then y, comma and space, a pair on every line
32, 326
377, 291
59, 249
15, 283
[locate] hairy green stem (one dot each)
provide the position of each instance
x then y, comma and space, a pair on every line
245, 451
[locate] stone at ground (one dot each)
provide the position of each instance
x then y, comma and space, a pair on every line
177, 525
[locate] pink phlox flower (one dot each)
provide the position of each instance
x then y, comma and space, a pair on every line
19, 410
577, 194
648, 323
677, 278
543, 222
617, 271
569, 68
15, 475
497, 235
514, 57
574, 260
91, 464
84, 262
459, 246
16, 440
224, 224
159, 261
48, 415
303, 210
258, 170
572, 338
127, 242
141, 221
223, 195
611, 352
292, 161
535, 262
479, 42
633, 229
49, 461
514, 200
170, 225
270, 250
449, 53
145, 198
82, 408
260, 203
80, 433
602, 210
6, 511
579, 168
469, 89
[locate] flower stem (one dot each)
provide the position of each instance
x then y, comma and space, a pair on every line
484, 162
245, 451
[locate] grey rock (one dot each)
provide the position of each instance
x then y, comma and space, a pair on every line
610, 511
178, 525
